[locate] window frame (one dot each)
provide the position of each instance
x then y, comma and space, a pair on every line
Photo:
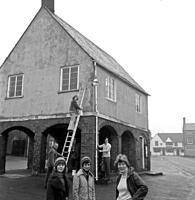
69, 67
138, 103
15, 86
169, 144
156, 143
111, 88
187, 140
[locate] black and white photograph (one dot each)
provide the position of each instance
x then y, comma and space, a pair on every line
97, 100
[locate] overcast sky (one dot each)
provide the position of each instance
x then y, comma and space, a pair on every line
154, 41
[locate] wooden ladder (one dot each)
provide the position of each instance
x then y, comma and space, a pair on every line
71, 134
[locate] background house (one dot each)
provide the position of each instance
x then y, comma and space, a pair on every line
49, 65
167, 144
189, 138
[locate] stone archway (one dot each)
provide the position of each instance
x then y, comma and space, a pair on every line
109, 132
58, 133
129, 147
4, 143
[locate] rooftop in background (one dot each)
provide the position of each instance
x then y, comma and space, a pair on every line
175, 137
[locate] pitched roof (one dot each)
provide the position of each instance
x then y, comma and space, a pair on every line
189, 127
175, 137
96, 53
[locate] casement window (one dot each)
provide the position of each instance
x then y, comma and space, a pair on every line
15, 86
111, 88
189, 140
69, 78
156, 143
169, 143
138, 103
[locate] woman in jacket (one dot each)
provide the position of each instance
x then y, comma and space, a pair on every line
57, 188
129, 185
83, 182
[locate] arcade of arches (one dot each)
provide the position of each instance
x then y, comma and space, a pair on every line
34, 137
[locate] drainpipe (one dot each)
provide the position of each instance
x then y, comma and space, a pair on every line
95, 84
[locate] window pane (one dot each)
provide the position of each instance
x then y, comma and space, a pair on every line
110, 88
19, 78
138, 103
19, 85
11, 91
12, 86
73, 78
65, 78
18, 90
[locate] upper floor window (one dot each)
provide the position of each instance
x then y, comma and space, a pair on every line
189, 140
156, 143
111, 88
169, 143
15, 85
69, 78
138, 103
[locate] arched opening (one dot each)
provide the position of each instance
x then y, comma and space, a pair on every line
110, 133
128, 147
58, 133
16, 149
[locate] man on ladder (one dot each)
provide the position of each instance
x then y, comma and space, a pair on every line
75, 109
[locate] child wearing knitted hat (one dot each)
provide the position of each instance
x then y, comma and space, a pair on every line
58, 188
83, 181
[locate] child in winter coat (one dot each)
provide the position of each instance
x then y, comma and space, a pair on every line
83, 182
57, 188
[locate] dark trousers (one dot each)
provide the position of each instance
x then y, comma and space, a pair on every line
107, 167
49, 171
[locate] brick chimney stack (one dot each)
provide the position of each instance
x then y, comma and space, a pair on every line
49, 4
184, 122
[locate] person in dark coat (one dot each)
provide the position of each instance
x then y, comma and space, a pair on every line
58, 188
52, 155
74, 111
129, 185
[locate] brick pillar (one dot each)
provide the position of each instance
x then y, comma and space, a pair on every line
30, 152
119, 144
43, 152
3, 141
36, 154
88, 139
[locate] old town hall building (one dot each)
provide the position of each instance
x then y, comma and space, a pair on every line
51, 63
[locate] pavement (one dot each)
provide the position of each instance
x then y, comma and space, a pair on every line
176, 182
